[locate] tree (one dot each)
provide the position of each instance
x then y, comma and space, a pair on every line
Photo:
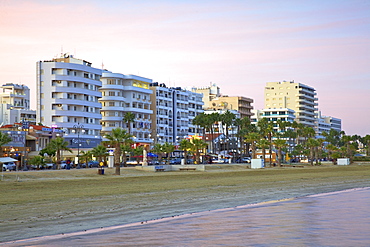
86, 157
263, 144
38, 161
333, 137
158, 149
347, 142
129, 118
59, 144
138, 151
185, 145
4, 139
253, 138
312, 144
116, 137
125, 148
280, 144
197, 144
366, 142
243, 127
227, 119
266, 129
168, 148
100, 151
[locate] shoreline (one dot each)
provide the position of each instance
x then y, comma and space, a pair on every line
39, 240
44, 240
220, 193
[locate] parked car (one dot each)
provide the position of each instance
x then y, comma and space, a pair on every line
243, 160
50, 166
93, 163
11, 166
175, 161
220, 161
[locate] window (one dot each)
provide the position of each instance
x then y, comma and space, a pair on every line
111, 103
112, 93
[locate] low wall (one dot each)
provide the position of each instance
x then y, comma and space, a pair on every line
165, 168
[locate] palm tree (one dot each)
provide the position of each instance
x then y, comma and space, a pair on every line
347, 142
366, 142
242, 125
263, 144
59, 144
158, 149
138, 151
266, 129
116, 137
4, 139
125, 148
312, 144
129, 118
331, 149
185, 145
86, 157
227, 119
197, 144
253, 138
38, 161
168, 148
100, 151
280, 144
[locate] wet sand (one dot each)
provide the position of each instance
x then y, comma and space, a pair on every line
136, 208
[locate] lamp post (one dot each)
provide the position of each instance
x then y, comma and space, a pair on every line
78, 127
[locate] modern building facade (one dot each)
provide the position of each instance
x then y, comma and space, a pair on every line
173, 113
15, 104
122, 94
67, 98
296, 96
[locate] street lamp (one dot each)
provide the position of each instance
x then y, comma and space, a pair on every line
77, 128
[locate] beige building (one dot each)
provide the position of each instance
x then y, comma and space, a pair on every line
213, 100
296, 96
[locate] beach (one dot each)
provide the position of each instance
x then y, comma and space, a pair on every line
44, 203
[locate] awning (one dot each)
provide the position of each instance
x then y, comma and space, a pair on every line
7, 159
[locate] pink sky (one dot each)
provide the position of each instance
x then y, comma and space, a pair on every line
239, 45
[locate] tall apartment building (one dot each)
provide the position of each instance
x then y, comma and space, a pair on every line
173, 113
15, 104
213, 100
67, 98
296, 96
126, 93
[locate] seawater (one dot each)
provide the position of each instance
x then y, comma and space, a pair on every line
332, 219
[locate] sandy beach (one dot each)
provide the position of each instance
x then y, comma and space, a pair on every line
42, 203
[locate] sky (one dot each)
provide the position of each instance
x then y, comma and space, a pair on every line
238, 45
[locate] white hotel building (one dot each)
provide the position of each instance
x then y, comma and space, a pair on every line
173, 113
126, 93
67, 97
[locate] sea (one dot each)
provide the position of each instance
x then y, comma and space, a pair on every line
339, 218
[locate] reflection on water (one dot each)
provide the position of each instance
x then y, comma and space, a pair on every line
336, 219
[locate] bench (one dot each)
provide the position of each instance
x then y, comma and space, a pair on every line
187, 168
